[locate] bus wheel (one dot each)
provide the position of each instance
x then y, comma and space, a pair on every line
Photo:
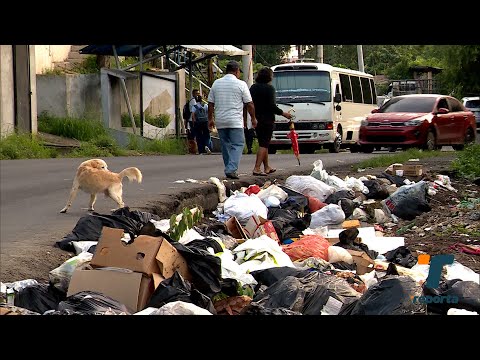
337, 144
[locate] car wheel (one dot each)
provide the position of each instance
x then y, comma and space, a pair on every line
469, 138
430, 145
337, 144
378, 148
367, 149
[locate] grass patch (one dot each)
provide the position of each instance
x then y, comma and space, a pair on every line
24, 146
172, 146
386, 160
467, 163
73, 128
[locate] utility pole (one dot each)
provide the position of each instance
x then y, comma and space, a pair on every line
320, 53
361, 67
247, 65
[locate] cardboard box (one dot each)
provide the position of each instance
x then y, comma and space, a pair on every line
362, 260
170, 260
138, 256
412, 170
133, 289
235, 229
257, 226
395, 169
146, 254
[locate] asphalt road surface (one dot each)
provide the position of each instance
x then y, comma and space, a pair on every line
32, 192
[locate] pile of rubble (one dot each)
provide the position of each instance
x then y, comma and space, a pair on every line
315, 245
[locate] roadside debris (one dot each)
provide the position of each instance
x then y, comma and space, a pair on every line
316, 245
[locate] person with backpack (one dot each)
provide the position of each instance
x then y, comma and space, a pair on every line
200, 125
187, 117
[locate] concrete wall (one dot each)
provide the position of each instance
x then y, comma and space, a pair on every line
70, 95
7, 115
46, 55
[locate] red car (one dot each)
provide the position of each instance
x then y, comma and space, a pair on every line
426, 121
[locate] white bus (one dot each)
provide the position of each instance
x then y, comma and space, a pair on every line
329, 105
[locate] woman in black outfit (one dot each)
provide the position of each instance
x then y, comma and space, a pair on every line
263, 96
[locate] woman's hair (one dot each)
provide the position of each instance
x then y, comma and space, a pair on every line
264, 75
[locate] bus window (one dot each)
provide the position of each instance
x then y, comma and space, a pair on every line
305, 86
356, 89
374, 92
346, 90
367, 93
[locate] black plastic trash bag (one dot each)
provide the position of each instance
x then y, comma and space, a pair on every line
295, 200
339, 195
347, 206
288, 223
401, 256
391, 296
177, 288
408, 201
271, 275
92, 303
39, 298
307, 295
205, 268
257, 309
376, 190
453, 294
89, 228
394, 179
137, 215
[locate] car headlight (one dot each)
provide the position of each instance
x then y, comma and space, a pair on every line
364, 122
413, 122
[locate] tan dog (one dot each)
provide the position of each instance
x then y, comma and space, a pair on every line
93, 177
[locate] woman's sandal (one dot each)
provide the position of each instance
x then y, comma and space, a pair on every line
272, 170
261, 173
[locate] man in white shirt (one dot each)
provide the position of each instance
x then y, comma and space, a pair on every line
226, 99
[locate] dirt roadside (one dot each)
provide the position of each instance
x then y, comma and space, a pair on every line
433, 232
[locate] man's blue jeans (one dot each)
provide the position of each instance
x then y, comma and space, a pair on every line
232, 141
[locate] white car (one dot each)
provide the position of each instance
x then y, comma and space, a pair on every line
472, 104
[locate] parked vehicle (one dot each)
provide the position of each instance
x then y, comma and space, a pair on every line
427, 121
329, 104
472, 103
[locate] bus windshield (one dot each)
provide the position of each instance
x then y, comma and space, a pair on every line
302, 86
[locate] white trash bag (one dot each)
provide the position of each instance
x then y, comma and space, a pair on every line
243, 206
331, 214
309, 186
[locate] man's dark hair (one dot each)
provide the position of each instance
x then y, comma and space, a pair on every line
232, 66
264, 75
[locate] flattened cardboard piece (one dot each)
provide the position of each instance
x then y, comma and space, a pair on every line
133, 289
138, 256
350, 223
362, 260
235, 229
257, 226
170, 260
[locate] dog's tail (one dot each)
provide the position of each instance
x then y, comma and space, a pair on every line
132, 173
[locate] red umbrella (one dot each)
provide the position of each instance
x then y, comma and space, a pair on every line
293, 136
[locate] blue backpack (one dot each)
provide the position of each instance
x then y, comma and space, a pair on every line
201, 114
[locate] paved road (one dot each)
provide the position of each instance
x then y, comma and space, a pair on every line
32, 192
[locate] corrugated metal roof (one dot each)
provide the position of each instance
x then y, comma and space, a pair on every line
132, 50
122, 50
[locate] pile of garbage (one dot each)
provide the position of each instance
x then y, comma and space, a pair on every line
311, 246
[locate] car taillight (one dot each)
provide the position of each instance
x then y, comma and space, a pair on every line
329, 126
